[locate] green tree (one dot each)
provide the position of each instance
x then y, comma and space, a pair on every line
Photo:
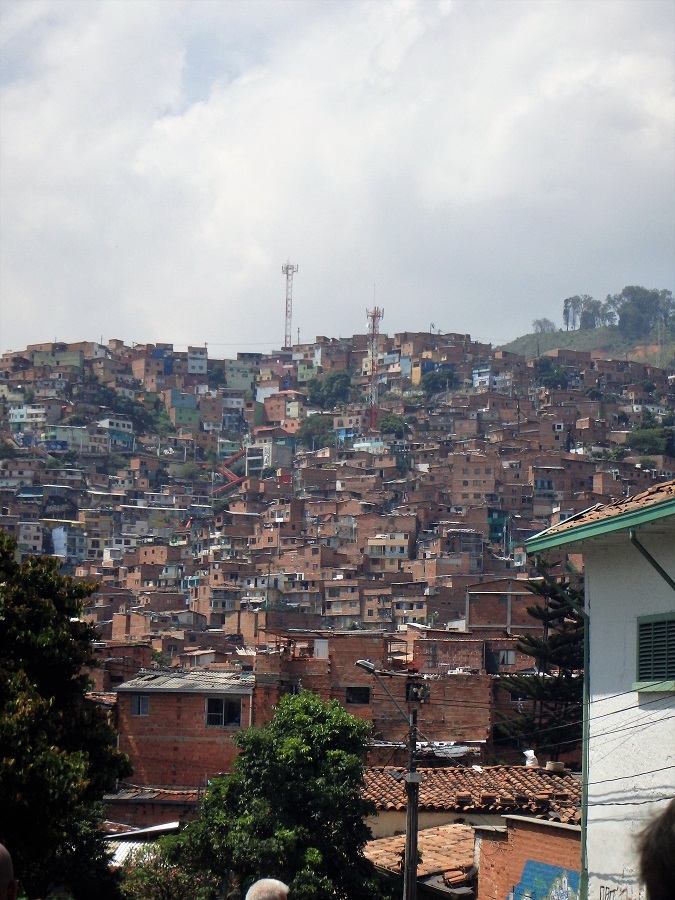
293, 807
151, 875
549, 714
57, 748
441, 379
217, 375
641, 311
77, 420
7, 450
591, 314
543, 326
162, 424
608, 312
316, 432
393, 424
572, 309
330, 390
549, 374
121, 405
649, 440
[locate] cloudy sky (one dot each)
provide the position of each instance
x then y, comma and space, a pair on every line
467, 163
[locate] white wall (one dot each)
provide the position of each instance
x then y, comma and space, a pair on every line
631, 734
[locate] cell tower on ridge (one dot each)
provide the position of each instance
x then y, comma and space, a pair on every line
374, 316
289, 270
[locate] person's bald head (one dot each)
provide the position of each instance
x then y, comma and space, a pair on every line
267, 889
7, 882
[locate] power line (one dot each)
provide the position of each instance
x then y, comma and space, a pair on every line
628, 802
580, 740
591, 719
624, 693
637, 775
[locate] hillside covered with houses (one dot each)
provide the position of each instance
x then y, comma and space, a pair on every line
257, 525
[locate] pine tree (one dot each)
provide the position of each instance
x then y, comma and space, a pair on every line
548, 718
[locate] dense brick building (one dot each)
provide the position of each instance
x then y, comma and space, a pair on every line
178, 727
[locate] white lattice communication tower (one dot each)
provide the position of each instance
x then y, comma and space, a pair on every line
289, 270
374, 316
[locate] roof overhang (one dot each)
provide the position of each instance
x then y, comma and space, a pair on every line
552, 538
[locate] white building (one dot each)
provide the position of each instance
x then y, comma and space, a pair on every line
629, 564
198, 360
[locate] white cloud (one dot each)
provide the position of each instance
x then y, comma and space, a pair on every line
475, 162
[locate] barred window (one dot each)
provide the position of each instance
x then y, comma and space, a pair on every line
221, 712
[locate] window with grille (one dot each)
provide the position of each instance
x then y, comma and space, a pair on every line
656, 648
221, 711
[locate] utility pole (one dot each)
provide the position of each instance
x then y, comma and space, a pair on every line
412, 789
289, 270
374, 316
416, 692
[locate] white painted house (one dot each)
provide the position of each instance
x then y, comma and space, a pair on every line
629, 564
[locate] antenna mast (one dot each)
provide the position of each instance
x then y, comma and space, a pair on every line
374, 316
289, 270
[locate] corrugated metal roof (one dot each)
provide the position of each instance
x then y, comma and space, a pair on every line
179, 681
124, 850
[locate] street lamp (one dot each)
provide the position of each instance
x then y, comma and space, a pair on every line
412, 777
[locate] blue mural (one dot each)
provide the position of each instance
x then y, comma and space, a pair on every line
540, 881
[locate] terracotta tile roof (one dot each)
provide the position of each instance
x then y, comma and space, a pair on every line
657, 493
130, 792
445, 849
118, 827
518, 790
106, 698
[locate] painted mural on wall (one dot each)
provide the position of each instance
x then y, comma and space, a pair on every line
541, 881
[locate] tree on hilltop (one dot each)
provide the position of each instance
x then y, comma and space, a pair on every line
641, 311
591, 315
543, 326
638, 312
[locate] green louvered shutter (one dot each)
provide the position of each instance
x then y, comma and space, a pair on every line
656, 649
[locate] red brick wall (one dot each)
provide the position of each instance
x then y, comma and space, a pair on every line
172, 745
458, 708
488, 605
119, 662
438, 655
502, 857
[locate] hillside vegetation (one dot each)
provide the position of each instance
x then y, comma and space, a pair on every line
637, 324
609, 340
